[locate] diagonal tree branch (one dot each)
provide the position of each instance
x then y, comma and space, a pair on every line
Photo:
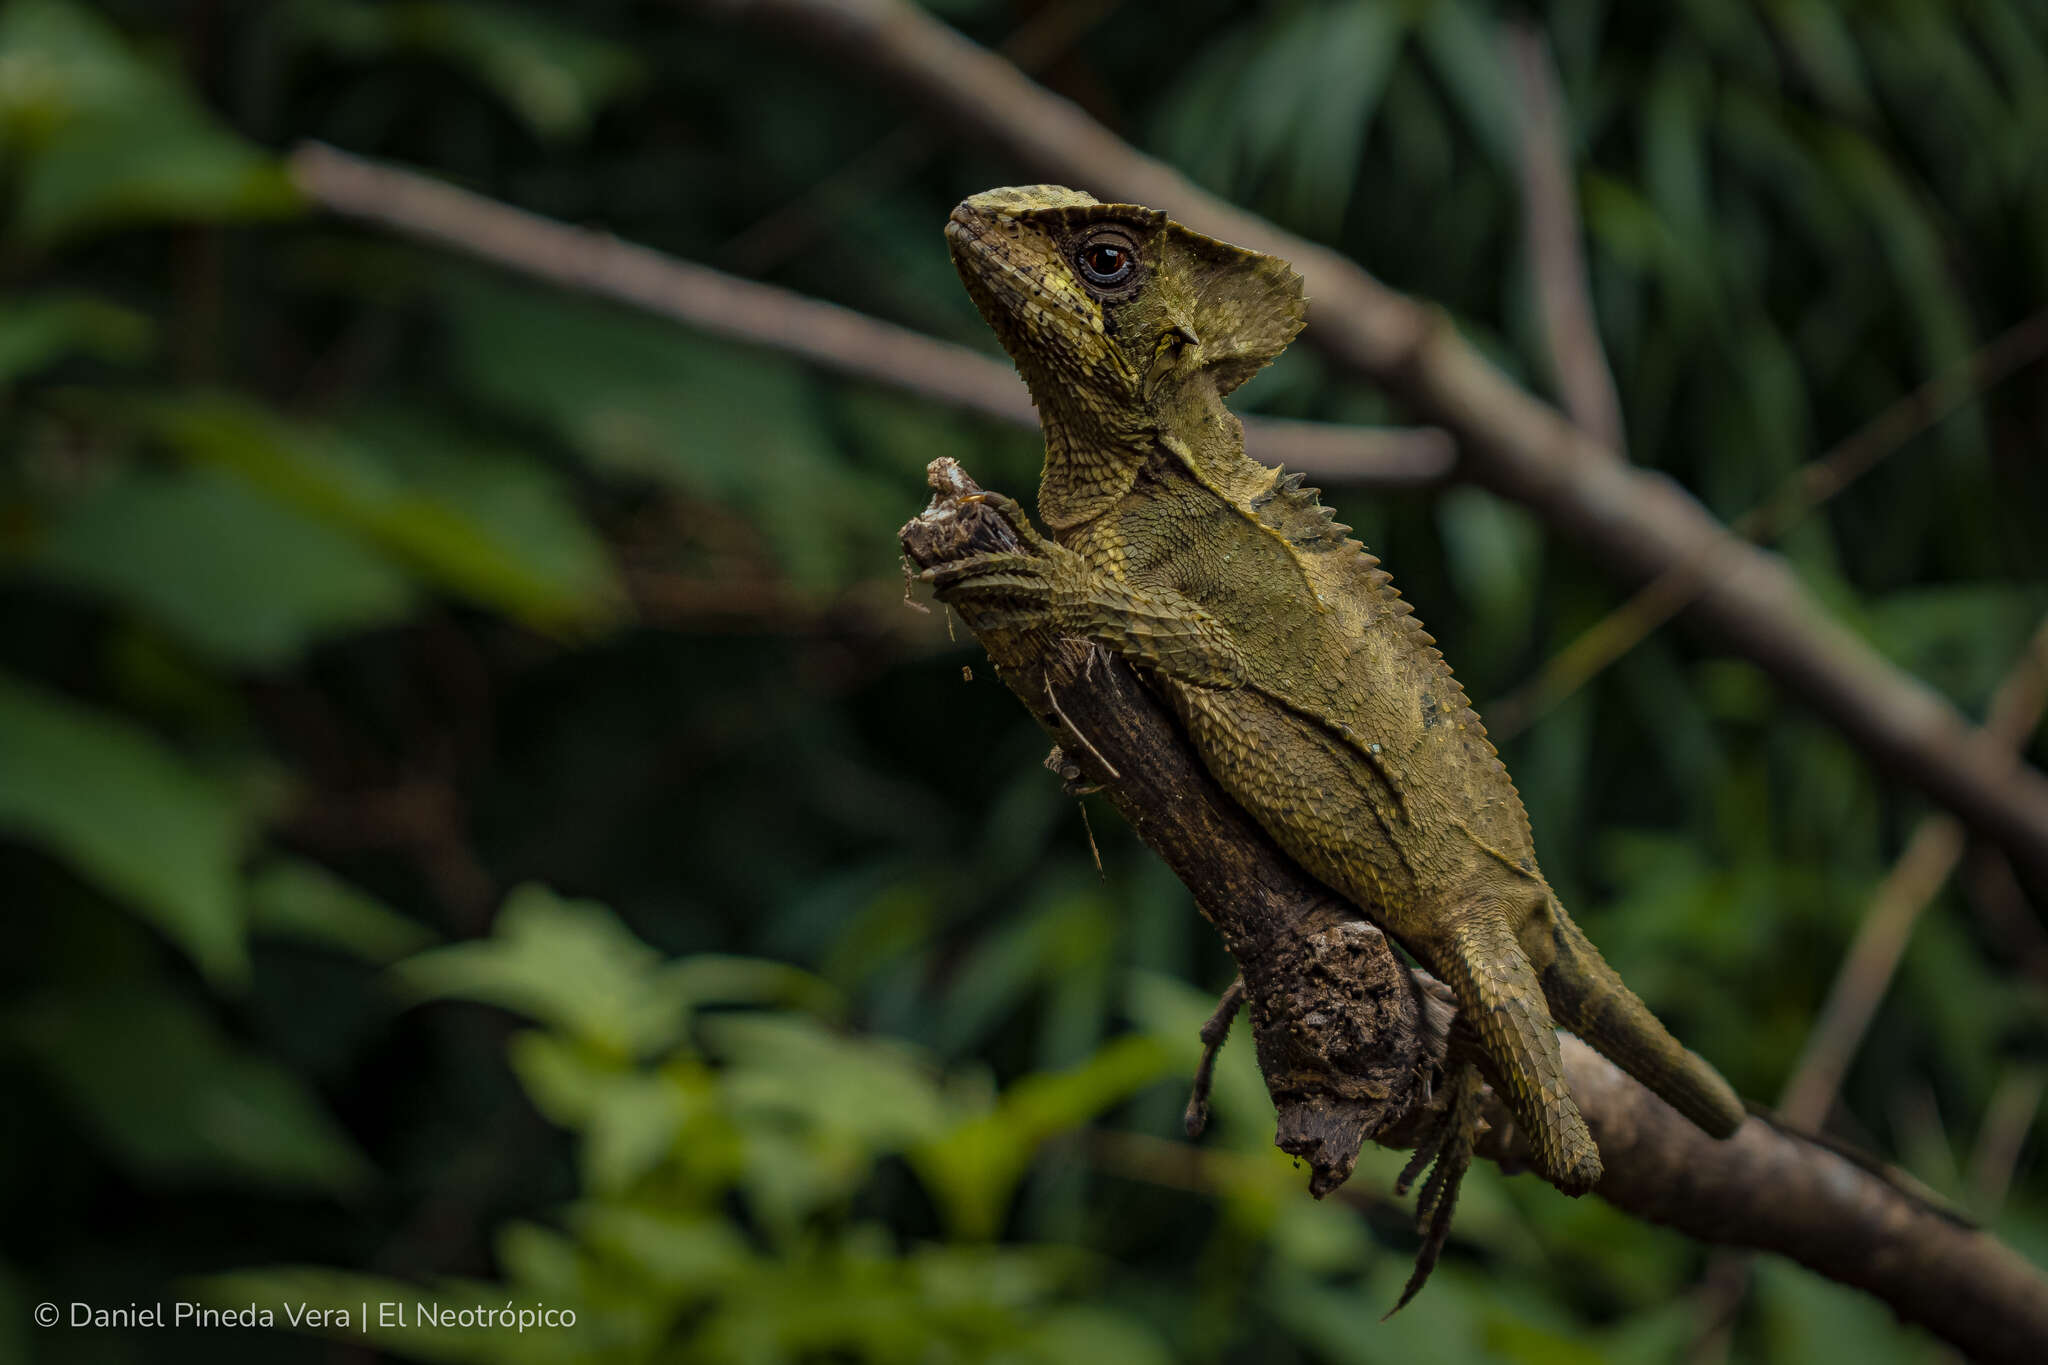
1345, 1034
825, 334
1915, 880
1808, 487
1639, 522
1045, 35
1930, 858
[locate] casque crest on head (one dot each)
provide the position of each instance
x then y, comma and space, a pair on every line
1092, 296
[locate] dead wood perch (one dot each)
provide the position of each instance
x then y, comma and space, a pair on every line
1347, 1034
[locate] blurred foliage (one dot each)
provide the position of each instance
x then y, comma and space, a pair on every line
682, 1109
349, 587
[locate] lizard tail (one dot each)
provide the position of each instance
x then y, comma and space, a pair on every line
1588, 998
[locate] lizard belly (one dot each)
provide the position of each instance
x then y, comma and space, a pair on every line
1307, 788
1414, 858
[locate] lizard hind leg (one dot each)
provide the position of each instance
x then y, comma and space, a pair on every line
1500, 1001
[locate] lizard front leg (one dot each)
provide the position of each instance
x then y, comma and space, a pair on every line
1049, 587
1196, 1118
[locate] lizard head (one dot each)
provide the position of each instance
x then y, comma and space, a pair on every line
1124, 324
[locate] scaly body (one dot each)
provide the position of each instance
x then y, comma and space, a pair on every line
1306, 686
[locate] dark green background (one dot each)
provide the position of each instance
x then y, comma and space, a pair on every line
477, 821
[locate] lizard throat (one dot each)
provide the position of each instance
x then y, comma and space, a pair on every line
1096, 432
1084, 479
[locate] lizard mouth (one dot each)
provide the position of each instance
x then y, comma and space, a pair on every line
1013, 273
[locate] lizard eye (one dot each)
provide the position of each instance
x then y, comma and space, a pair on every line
1106, 260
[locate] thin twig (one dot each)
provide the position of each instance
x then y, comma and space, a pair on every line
824, 334
1810, 486
2000, 905
2007, 1121
1550, 222
1108, 769
1088, 828
1873, 958
1936, 846
1867, 968
787, 230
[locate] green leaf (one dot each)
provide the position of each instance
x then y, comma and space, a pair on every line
630, 1119
722, 979
1820, 42
40, 331
1493, 549
112, 172
1345, 1325
1462, 47
683, 1253
1947, 992
460, 529
1907, 224
339, 1298
291, 898
880, 1094
813, 1109
103, 139
175, 1100
1805, 1317
572, 964
973, 1170
1961, 638
245, 579
1675, 148
1626, 226
130, 816
640, 397
1766, 140
555, 77
1035, 951
1278, 108
524, 507
1085, 1333
541, 1260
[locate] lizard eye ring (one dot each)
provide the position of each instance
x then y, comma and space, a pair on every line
1106, 260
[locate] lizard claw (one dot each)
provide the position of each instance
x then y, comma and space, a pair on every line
1007, 572
1446, 1148
1011, 511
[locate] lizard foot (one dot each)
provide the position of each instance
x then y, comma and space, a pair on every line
1196, 1119
1011, 511
996, 573
1448, 1143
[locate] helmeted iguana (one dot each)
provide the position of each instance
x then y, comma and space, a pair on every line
1310, 692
